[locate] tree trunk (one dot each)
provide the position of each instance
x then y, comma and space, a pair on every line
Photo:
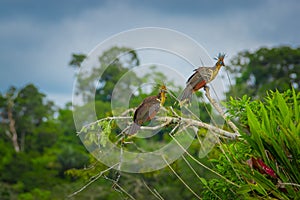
12, 129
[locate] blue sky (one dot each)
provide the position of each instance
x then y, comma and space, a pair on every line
38, 37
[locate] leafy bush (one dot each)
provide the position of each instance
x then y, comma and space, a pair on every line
265, 162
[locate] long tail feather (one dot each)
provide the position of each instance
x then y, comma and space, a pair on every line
133, 129
186, 95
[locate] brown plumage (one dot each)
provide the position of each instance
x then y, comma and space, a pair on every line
147, 110
200, 78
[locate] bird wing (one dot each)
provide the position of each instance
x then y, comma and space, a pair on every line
146, 110
200, 77
154, 108
186, 94
206, 73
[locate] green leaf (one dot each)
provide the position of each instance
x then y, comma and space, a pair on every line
255, 129
265, 120
283, 107
244, 189
296, 107
203, 180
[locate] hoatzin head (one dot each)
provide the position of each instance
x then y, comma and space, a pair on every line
220, 60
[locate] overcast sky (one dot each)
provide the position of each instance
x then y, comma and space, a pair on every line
37, 37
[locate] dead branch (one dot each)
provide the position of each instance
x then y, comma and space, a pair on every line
192, 122
178, 120
183, 182
220, 111
153, 128
93, 179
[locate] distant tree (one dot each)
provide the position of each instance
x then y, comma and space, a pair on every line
265, 69
38, 143
113, 64
21, 111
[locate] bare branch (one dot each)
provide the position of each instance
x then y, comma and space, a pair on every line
125, 113
194, 171
220, 111
197, 123
188, 187
178, 120
154, 192
120, 188
93, 179
156, 127
174, 113
201, 164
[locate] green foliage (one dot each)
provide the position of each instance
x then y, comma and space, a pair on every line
52, 162
113, 64
273, 137
70, 158
275, 134
36, 194
28, 109
49, 145
97, 133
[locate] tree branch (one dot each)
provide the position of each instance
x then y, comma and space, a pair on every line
183, 182
93, 179
192, 122
153, 128
177, 120
220, 111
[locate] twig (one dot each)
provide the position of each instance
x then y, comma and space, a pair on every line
186, 185
127, 111
93, 179
120, 188
119, 166
194, 171
173, 111
124, 191
158, 194
220, 111
201, 164
153, 192
104, 119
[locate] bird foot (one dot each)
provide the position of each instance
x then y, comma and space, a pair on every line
184, 102
206, 88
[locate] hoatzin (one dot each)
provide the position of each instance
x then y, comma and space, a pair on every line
147, 110
200, 78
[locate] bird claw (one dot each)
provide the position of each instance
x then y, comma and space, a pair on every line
183, 102
206, 88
